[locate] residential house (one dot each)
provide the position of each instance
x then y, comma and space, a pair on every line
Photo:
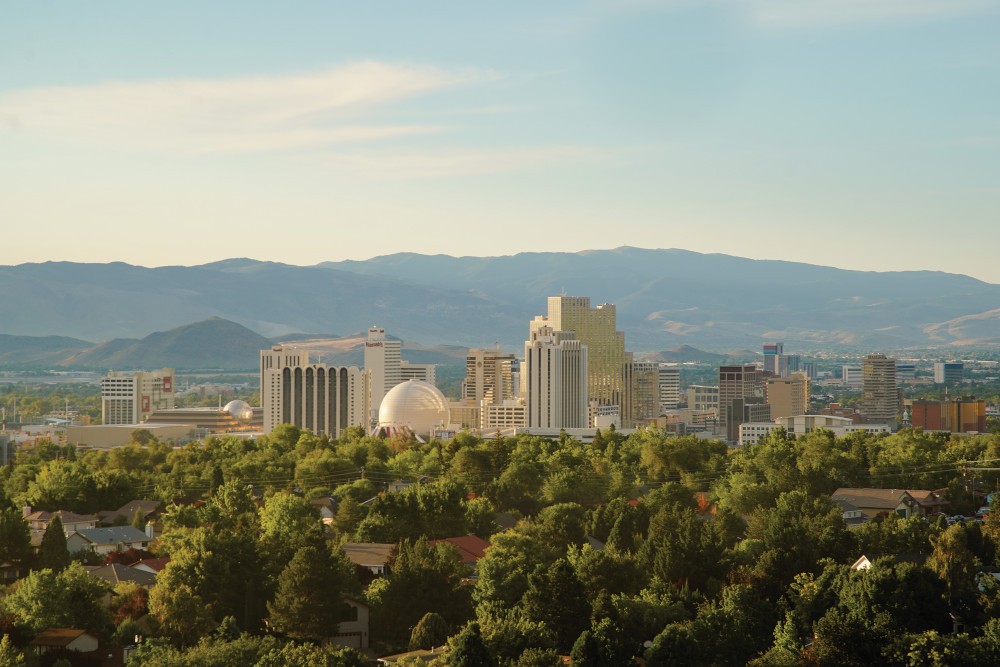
371, 555
70, 639
470, 548
151, 565
327, 509
116, 573
106, 540
39, 520
881, 502
148, 509
352, 632
853, 517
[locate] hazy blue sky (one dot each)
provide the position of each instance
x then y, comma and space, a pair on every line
855, 133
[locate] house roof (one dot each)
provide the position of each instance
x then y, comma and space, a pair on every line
155, 564
926, 498
113, 535
368, 554
58, 637
64, 516
470, 547
116, 573
871, 498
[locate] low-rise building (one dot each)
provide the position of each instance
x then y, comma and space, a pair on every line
107, 540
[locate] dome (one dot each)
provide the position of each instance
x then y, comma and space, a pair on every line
240, 410
416, 405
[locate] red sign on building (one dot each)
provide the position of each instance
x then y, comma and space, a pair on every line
168, 384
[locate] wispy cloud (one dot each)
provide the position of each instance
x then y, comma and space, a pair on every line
435, 164
818, 13
244, 114
793, 13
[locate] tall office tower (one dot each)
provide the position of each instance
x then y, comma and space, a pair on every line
948, 372
128, 398
489, 376
772, 353
670, 387
739, 387
314, 396
595, 329
794, 363
788, 397
645, 394
382, 360
809, 367
880, 399
555, 377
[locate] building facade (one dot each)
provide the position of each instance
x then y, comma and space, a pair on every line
323, 399
948, 372
880, 397
556, 379
382, 361
787, 396
740, 389
956, 416
670, 387
129, 398
596, 329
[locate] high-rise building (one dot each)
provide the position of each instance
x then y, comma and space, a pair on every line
905, 372
880, 398
645, 394
809, 368
788, 397
323, 399
128, 398
948, 372
670, 387
489, 376
382, 361
740, 387
772, 355
595, 328
555, 378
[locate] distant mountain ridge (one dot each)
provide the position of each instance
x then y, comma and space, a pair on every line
664, 298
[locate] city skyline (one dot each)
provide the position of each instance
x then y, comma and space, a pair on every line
188, 134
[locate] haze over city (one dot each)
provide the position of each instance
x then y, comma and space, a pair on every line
861, 135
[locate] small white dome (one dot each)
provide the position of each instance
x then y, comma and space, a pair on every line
416, 405
240, 410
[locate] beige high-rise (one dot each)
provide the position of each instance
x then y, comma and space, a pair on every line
788, 397
595, 328
880, 398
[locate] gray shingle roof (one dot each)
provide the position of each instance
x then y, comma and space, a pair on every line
113, 535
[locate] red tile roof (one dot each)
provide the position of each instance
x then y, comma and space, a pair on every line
470, 547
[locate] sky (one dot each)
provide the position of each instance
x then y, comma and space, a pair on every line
862, 134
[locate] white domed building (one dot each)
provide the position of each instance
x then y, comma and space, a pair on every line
239, 410
415, 407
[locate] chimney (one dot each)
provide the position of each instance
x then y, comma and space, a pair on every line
149, 529
26, 511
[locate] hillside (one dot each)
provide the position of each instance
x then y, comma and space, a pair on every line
212, 343
665, 299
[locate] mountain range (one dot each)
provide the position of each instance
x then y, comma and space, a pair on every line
664, 298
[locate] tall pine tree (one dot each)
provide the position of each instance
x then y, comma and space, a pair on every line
310, 598
53, 553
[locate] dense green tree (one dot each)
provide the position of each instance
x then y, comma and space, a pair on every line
349, 515
69, 599
9, 655
432, 630
310, 597
422, 578
539, 657
469, 650
180, 611
555, 597
53, 552
15, 537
